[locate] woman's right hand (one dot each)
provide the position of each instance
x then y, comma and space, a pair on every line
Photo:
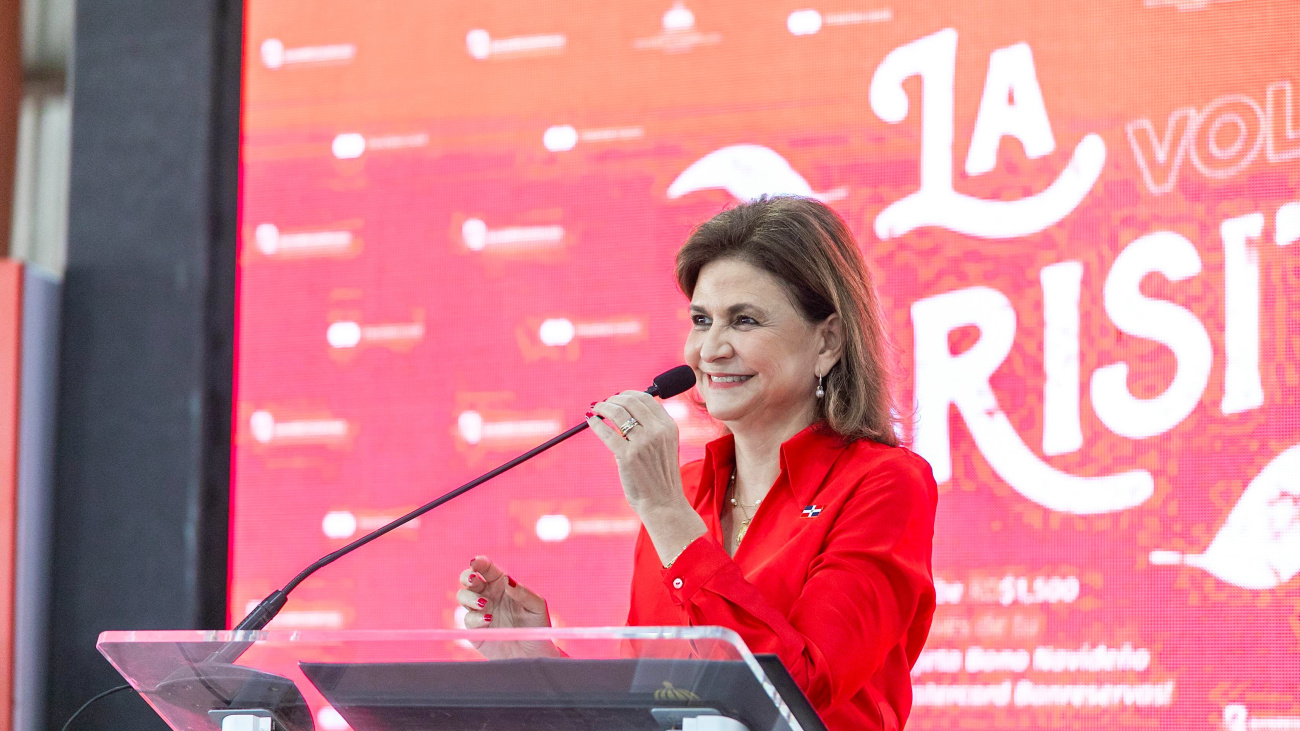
493, 599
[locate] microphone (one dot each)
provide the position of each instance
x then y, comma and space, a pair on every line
666, 385
672, 382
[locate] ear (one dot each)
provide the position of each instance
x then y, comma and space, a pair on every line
831, 337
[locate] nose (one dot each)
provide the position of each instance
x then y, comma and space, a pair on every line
715, 345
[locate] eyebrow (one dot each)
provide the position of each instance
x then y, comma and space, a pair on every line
733, 310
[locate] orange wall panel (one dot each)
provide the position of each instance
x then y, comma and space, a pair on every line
11, 314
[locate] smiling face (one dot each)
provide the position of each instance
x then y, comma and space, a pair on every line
755, 356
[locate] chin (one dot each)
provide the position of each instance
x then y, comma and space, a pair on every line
725, 411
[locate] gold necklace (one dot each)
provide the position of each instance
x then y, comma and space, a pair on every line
744, 524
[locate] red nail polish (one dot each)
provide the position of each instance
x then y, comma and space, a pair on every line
511, 582
589, 414
482, 602
475, 577
487, 617
593, 403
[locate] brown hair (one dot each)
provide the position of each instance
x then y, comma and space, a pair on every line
810, 250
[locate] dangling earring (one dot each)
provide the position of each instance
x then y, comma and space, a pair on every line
820, 391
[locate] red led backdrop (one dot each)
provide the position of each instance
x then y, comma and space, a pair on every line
458, 224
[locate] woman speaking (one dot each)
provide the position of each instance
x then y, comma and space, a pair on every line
806, 528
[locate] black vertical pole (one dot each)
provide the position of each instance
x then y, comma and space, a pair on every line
143, 443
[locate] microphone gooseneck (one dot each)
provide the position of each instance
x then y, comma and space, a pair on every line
666, 385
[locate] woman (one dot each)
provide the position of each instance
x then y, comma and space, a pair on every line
806, 528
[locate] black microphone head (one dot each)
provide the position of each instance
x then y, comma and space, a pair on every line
672, 382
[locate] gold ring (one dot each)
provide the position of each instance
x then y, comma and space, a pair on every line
628, 426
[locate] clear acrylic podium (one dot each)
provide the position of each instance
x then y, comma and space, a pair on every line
654, 678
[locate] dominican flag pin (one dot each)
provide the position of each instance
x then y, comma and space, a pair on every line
812, 511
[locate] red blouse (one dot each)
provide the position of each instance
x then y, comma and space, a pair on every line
833, 575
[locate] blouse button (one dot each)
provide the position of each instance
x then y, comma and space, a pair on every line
677, 583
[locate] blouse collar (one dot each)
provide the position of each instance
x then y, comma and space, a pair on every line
806, 458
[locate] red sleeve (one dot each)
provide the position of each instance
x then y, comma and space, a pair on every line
861, 595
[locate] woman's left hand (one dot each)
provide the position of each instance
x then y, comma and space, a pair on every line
648, 467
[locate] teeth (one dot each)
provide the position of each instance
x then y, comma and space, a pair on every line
729, 379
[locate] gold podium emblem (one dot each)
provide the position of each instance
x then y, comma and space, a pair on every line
669, 693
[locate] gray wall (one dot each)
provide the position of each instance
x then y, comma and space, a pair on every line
143, 424
40, 206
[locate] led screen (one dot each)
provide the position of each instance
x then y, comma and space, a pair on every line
458, 223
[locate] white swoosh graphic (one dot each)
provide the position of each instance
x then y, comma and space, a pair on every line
745, 171
1258, 546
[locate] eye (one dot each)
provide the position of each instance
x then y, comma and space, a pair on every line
700, 320
746, 321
